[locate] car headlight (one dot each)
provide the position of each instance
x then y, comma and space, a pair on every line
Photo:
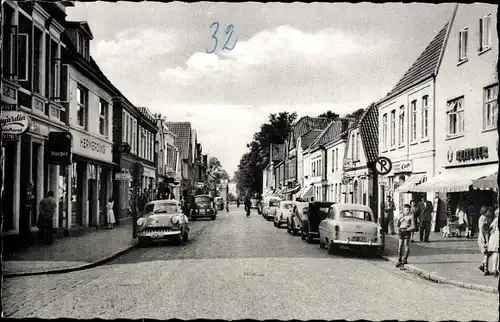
140, 221
175, 220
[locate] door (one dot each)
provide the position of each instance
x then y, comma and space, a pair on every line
102, 187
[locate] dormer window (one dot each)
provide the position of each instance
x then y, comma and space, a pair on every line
82, 45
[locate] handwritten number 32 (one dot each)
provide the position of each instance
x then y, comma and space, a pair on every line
229, 30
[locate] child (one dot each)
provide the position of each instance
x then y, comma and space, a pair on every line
111, 215
405, 225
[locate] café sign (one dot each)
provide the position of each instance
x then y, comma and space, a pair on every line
14, 122
403, 166
471, 154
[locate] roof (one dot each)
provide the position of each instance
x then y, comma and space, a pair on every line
182, 141
307, 123
309, 138
426, 64
145, 111
277, 152
82, 25
333, 131
368, 130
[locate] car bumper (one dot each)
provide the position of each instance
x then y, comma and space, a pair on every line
202, 214
357, 243
159, 235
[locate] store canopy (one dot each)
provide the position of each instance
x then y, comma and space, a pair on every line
414, 180
486, 183
292, 190
456, 179
306, 193
301, 191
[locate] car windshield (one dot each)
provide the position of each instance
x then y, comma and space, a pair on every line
356, 214
274, 203
202, 200
157, 208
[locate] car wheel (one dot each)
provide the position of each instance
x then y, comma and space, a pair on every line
321, 244
213, 217
309, 238
274, 223
332, 248
177, 240
143, 242
303, 236
288, 228
185, 237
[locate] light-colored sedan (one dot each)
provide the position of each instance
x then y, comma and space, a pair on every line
350, 225
162, 219
270, 206
284, 213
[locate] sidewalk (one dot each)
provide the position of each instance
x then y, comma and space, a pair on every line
445, 260
70, 253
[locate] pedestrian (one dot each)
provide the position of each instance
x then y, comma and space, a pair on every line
493, 245
45, 217
484, 222
415, 211
405, 225
389, 216
110, 213
425, 221
462, 218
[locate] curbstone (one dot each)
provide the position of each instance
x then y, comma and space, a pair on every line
75, 268
433, 277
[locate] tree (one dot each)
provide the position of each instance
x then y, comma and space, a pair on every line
356, 114
215, 172
332, 116
249, 173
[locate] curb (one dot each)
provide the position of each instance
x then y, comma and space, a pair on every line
442, 280
76, 268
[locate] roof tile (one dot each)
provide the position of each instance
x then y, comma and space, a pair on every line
182, 141
368, 128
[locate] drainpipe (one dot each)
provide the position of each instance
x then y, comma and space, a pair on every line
1, 86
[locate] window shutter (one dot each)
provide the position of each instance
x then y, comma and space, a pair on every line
64, 91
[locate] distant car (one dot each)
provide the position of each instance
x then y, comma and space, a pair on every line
254, 203
283, 213
294, 225
162, 219
350, 225
203, 207
311, 217
219, 202
270, 206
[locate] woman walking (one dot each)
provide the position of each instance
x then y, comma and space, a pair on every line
484, 236
110, 213
493, 245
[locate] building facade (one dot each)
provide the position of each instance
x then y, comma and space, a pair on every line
34, 87
467, 110
406, 127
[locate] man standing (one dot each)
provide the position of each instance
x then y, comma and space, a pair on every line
389, 208
45, 217
425, 221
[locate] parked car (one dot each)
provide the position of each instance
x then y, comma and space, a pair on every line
270, 206
283, 213
350, 225
219, 202
162, 219
294, 225
310, 217
203, 207
255, 204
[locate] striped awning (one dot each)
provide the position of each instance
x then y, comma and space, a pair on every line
456, 179
486, 183
292, 190
414, 180
306, 193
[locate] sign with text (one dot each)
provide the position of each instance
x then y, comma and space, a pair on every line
59, 148
123, 176
14, 122
403, 166
91, 147
468, 155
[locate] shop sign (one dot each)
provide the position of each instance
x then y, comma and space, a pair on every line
403, 166
39, 128
92, 147
472, 154
123, 176
59, 148
149, 172
14, 122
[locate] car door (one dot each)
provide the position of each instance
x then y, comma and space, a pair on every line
326, 225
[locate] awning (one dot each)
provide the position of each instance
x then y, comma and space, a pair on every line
486, 183
301, 191
292, 190
414, 180
280, 191
456, 179
306, 193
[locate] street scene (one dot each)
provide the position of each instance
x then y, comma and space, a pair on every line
249, 161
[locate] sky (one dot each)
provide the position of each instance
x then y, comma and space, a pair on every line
304, 58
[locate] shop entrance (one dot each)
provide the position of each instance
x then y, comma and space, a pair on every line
9, 152
63, 196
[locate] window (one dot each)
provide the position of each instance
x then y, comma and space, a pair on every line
455, 116
393, 128
358, 143
134, 136
353, 147
55, 66
490, 112
413, 120
333, 160
425, 117
462, 45
123, 126
127, 129
103, 117
82, 105
38, 49
384, 131
485, 32
402, 125
337, 159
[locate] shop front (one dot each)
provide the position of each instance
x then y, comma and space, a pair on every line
358, 183
91, 181
149, 181
461, 181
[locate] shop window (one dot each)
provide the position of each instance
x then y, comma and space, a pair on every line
490, 110
455, 116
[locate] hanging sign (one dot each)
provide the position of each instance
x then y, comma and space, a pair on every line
14, 122
59, 148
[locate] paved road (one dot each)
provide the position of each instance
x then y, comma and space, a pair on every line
238, 267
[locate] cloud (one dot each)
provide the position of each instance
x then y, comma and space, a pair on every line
137, 43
